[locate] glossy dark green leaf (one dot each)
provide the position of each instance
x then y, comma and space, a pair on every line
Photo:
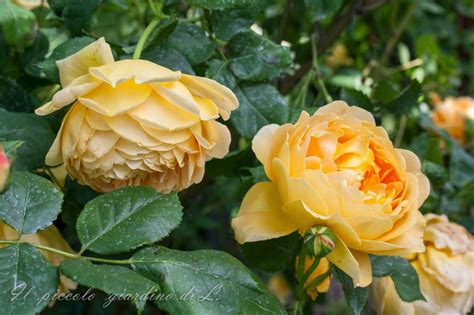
27, 280
213, 281
357, 297
116, 281
13, 97
17, 24
127, 218
357, 98
283, 249
65, 49
77, 13
260, 105
225, 24
191, 41
256, 58
34, 131
384, 92
404, 276
427, 147
220, 71
407, 99
168, 57
30, 203
436, 173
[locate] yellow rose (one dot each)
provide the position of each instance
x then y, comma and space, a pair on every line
48, 237
338, 169
451, 115
4, 169
134, 122
445, 270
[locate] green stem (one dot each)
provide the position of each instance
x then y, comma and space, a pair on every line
301, 263
319, 81
71, 255
143, 38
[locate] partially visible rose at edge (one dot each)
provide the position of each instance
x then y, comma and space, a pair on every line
445, 270
134, 122
338, 169
4, 169
451, 113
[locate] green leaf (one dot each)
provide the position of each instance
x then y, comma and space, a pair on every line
427, 147
64, 50
191, 41
436, 173
357, 98
77, 13
384, 92
283, 251
321, 9
13, 97
113, 280
30, 203
17, 24
260, 105
57, 6
27, 280
34, 131
219, 71
127, 218
219, 4
404, 276
168, 57
256, 58
357, 297
407, 99
213, 282
227, 23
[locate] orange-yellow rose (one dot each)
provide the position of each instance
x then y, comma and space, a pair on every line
48, 237
445, 270
4, 169
451, 114
134, 122
338, 169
